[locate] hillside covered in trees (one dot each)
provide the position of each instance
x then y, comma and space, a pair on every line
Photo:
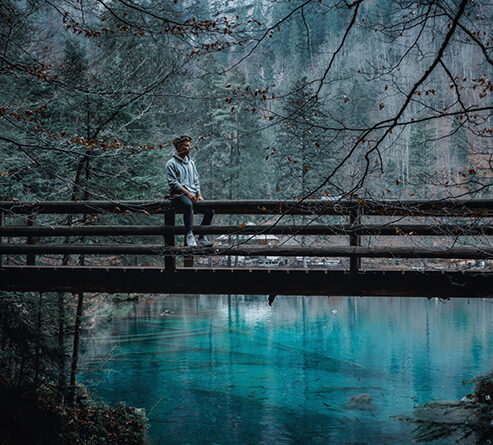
282, 99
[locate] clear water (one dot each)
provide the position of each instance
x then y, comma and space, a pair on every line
232, 370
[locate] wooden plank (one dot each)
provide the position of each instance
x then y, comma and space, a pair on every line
253, 282
85, 207
170, 240
30, 257
354, 239
483, 252
310, 229
188, 261
1, 239
463, 208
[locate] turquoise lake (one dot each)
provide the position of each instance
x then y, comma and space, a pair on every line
234, 370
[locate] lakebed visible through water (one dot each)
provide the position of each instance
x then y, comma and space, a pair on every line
234, 370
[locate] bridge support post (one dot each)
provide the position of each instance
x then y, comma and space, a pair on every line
1, 224
169, 239
354, 240
30, 258
188, 261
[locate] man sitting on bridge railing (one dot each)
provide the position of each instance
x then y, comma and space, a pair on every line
184, 186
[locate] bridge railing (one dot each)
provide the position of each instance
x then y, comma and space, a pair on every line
444, 218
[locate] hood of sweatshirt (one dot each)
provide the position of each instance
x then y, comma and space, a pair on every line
184, 161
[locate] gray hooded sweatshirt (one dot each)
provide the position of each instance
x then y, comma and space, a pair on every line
182, 173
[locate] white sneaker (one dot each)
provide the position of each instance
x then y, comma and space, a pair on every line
190, 240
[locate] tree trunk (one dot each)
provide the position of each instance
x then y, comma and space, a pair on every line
80, 303
62, 376
75, 352
38, 342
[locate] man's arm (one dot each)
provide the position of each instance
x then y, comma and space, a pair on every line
196, 183
172, 178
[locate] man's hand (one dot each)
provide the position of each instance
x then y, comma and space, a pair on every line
199, 198
192, 197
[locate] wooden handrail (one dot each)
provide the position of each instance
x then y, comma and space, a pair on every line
351, 209
260, 229
243, 250
453, 208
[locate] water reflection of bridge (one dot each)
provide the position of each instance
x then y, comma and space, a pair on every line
38, 247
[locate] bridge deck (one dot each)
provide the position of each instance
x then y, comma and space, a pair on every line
247, 281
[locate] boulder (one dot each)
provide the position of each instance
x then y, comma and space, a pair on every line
361, 402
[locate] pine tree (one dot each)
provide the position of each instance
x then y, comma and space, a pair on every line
422, 158
303, 156
459, 148
229, 145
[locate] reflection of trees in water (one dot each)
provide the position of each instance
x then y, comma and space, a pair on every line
226, 354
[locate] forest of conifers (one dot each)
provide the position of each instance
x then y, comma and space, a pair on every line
283, 99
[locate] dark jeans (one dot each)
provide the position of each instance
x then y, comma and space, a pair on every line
185, 203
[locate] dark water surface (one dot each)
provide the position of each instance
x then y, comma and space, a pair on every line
232, 370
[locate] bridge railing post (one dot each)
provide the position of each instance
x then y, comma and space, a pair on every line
169, 239
30, 258
188, 261
354, 239
1, 224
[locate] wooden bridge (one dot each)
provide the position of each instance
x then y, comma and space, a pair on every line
36, 255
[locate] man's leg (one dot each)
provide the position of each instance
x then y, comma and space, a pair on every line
207, 219
185, 203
